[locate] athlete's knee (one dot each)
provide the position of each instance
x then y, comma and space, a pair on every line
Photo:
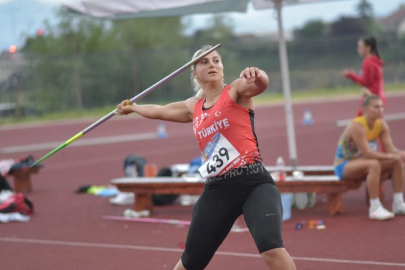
398, 164
373, 166
272, 254
273, 241
179, 266
395, 165
196, 265
278, 258
195, 262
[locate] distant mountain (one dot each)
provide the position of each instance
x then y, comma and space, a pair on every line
22, 18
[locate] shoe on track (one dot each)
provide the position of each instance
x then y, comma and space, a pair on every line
398, 208
123, 198
380, 214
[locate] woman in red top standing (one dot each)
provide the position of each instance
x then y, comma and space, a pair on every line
371, 77
237, 183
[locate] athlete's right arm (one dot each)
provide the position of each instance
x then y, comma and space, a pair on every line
359, 137
181, 111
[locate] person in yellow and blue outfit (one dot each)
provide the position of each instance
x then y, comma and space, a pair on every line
357, 157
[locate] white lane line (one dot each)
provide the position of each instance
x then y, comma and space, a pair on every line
89, 120
93, 161
235, 254
387, 117
316, 100
63, 122
84, 162
80, 143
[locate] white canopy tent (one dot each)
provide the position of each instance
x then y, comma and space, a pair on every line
126, 9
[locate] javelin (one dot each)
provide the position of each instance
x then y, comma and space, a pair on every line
132, 100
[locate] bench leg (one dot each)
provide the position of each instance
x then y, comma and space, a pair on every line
335, 203
22, 182
143, 202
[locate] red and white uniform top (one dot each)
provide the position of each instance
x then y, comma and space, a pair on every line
225, 135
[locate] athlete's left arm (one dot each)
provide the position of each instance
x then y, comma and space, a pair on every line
252, 82
386, 138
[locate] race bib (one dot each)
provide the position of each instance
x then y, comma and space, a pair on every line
373, 146
217, 155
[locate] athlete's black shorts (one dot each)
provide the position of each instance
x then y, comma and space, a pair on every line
249, 191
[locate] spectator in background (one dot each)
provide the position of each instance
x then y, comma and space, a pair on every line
371, 77
357, 158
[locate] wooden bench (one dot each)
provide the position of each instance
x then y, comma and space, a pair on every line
145, 187
327, 170
316, 179
22, 177
307, 170
182, 168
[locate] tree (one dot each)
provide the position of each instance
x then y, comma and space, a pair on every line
72, 35
346, 26
312, 29
220, 30
150, 33
365, 9
59, 65
85, 62
149, 42
366, 15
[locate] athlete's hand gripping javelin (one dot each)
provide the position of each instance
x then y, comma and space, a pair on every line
125, 107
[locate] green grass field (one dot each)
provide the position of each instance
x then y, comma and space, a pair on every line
265, 98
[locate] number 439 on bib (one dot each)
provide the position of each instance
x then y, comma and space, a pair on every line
221, 155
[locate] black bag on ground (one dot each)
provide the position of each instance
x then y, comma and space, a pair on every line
164, 199
4, 185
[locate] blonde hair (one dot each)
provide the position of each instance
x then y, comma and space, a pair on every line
367, 100
194, 82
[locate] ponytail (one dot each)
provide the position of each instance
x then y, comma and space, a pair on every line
196, 85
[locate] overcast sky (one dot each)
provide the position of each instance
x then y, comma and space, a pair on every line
252, 21
296, 16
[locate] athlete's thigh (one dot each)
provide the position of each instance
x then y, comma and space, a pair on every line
212, 218
357, 169
263, 213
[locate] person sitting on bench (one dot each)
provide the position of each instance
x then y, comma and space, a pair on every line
357, 157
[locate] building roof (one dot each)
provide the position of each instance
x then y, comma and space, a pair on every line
391, 22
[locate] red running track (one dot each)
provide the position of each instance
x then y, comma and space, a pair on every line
67, 231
